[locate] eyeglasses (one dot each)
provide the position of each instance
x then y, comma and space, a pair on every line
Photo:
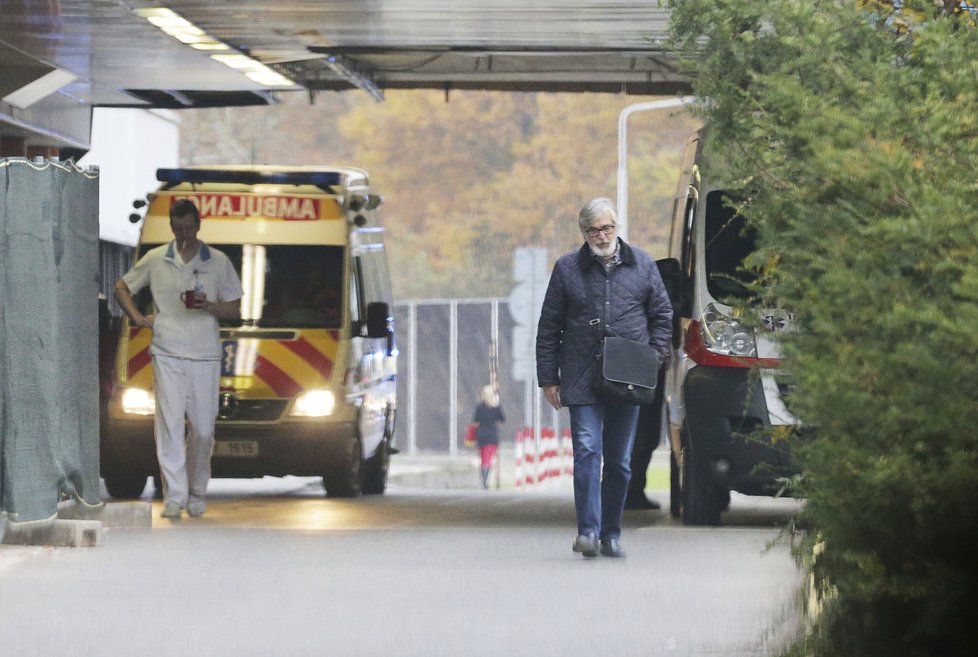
594, 232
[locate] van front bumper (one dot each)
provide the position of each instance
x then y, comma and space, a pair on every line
724, 409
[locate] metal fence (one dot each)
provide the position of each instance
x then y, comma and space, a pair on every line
445, 359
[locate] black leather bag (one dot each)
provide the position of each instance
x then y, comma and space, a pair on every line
626, 371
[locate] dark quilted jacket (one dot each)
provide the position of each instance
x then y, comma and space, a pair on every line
567, 344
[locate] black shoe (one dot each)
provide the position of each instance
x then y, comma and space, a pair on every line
610, 547
638, 502
586, 544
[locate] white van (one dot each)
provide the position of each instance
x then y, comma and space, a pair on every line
308, 378
723, 381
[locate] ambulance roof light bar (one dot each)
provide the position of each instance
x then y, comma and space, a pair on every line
322, 179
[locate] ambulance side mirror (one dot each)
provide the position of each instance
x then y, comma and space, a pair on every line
378, 319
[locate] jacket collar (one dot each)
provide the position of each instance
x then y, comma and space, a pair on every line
585, 256
205, 253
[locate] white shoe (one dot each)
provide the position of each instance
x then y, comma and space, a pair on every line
171, 510
196, 508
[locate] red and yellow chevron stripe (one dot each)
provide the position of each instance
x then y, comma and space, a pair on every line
262, 369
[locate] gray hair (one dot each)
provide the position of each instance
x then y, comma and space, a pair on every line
594, 209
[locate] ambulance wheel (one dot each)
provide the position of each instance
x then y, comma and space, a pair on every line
376, 469
344, 477
125, 487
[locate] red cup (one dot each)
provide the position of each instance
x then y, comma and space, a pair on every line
189, 298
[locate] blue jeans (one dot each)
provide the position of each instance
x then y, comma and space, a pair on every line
604, 429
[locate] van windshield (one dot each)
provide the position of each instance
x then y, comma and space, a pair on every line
286, 286
729, 240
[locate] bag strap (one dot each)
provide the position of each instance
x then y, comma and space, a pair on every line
595, 322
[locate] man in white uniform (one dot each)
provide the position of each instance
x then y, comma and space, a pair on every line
186, 351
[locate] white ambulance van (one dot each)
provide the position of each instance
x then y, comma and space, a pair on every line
723, 381
309, 372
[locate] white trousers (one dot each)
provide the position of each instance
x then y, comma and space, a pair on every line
186, 392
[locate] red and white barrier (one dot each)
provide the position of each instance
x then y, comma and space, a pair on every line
548, 459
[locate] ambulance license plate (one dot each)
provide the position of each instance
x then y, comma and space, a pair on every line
236, 448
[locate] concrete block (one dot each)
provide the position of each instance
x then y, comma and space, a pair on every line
129, 515
436, 474
60, 533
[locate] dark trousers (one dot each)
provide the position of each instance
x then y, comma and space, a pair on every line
646, 437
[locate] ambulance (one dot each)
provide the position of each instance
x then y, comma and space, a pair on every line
726, 417
309, 371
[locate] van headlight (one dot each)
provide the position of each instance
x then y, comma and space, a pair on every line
726, 335
136, 401
314, 403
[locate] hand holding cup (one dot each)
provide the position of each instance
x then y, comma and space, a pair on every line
193, 300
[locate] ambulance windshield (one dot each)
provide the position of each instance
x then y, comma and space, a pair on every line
729, 240
294, 286
285, 286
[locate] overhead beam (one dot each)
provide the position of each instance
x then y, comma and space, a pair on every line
604, 70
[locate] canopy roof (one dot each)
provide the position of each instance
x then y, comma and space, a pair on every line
60, 58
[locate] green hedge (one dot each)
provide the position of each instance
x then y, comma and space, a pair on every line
853, 130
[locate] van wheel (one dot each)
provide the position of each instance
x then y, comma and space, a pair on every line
344, 476
723, 499
701, 502
125, 487
675, 493
376, 468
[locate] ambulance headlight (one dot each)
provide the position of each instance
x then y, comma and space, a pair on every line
314, 403
136, 401
726, 335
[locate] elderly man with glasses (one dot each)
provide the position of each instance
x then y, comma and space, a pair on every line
605, 288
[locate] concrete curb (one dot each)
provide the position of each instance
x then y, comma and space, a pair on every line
131, 515
446, 473
437, 471
461, 471
61, 533
77, 524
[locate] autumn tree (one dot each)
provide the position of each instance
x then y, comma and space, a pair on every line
473, 178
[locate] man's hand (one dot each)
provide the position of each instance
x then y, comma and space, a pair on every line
124, 297
552, 393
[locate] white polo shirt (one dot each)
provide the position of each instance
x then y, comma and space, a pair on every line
178, 331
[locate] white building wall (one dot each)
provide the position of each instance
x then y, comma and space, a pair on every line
128, 146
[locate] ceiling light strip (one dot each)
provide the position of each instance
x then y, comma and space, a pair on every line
179, 28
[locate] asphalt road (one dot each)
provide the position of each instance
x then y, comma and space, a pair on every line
276, 569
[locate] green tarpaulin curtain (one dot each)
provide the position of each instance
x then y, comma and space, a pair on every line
49, 269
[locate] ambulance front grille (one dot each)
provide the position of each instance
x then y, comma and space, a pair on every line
255, 410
